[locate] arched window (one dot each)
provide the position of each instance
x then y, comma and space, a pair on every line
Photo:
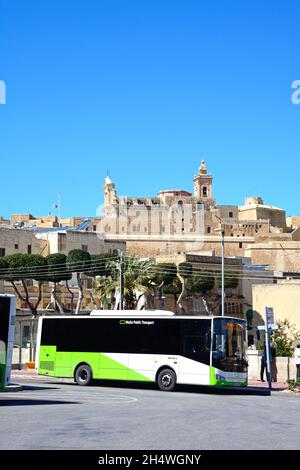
204, 191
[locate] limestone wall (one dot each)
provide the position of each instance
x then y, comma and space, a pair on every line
282, 369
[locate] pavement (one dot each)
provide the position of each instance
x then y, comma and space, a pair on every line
52, 413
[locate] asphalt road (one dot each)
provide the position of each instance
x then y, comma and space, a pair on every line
56, 415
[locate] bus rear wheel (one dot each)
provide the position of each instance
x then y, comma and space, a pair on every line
166, 380
83, 375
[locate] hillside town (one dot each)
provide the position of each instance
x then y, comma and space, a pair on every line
176, 227
149, 233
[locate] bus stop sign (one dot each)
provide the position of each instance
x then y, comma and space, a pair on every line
270, 316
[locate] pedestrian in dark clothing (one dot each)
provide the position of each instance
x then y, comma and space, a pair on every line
263, 366
297, 360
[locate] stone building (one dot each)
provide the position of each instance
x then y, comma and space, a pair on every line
284, 297
63, 241
20, 241
280, 255
177, 221
254, 209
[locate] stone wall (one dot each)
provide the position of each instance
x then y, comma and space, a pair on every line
282, 369
21, 241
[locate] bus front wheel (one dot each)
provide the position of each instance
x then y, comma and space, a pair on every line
83, 375
166, 380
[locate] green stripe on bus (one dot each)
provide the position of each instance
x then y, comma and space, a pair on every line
63, 364
212, 376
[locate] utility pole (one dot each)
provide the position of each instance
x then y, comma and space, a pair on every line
223, 280
121, 303
269, 320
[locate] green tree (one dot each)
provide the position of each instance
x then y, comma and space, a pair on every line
22, 267
57, 272
284, 338
78, 261
164, 274
173, 289
3, 268
137, 281
199, 284
100, 267
231, 280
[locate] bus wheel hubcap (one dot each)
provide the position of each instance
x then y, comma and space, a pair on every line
166, 380
83, 375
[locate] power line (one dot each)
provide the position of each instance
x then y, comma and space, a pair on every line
100, 272
103, 262
46, 266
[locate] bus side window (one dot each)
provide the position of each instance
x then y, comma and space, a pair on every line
196, 344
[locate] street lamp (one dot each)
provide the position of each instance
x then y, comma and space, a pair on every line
222, 230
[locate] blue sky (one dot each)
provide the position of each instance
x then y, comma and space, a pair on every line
145, 90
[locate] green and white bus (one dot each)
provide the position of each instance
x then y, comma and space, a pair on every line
151, 346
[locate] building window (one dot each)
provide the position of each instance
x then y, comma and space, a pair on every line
94, 228
16, 246
29, 249
208, 229
84, 247
62, 242
240, 245
2, 252
204, 191
230, 214
134, 228
123, 229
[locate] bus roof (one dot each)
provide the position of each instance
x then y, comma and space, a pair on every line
168, 315
119, 313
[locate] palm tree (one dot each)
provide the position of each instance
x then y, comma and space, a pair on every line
138, 275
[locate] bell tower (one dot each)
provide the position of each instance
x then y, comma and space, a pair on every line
203, 184
110, 193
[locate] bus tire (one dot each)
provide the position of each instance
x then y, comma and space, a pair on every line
166, 380
83, 375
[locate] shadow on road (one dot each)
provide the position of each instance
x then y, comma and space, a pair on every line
179, 388
36, 387
32, 402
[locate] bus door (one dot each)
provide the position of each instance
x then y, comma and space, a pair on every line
194, 366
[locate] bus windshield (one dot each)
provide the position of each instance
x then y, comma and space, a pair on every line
229, 345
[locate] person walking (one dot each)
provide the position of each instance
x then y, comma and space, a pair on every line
297, 360
263, 364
